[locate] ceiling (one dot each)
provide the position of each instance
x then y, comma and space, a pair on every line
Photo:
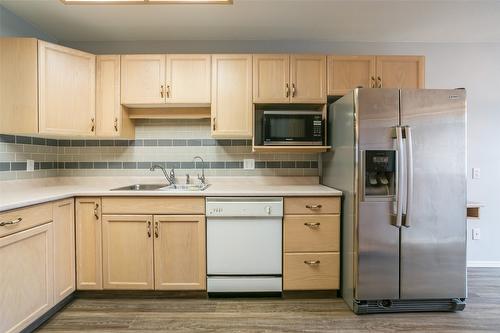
315, 20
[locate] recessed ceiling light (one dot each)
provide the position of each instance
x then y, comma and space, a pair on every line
143, 2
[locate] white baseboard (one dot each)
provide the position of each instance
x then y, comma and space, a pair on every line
483, 263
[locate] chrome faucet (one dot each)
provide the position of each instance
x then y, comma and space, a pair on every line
170, 177
202, 178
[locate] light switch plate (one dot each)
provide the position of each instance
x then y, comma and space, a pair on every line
30, 165
476, 233
476, 173
248, 164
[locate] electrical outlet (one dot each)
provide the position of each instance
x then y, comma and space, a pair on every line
248, 164
30, 165
476, 233
476, 173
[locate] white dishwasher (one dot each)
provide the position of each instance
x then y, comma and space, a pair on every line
244, 244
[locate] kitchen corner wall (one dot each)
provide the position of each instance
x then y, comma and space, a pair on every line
169, 143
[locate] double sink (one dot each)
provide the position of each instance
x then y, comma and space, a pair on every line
162, 187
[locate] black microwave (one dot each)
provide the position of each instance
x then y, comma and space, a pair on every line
293, 128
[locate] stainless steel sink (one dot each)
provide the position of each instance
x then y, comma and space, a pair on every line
184, 187
140, 187
162, 187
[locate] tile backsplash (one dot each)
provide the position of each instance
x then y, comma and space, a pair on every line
170, 143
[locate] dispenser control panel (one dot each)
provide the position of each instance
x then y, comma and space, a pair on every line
380, 173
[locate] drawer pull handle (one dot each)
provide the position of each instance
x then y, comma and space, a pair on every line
311, 262
313, 206
16, 221
312, 225
149, 229
157, 227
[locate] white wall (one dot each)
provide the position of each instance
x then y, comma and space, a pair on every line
473, 66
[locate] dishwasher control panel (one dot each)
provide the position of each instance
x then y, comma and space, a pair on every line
244, 206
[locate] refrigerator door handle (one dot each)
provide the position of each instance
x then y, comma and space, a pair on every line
400, 177
409, 177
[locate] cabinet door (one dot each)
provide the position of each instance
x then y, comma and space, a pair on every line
401, 72
64, 249
19, 85
88, 244
232, 96
108, 108
143, 79
348, 72
127, 244
66, 90
188, 78
26, 281
271, 78
179, 252
308, 78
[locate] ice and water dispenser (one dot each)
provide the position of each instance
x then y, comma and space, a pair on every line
380, 173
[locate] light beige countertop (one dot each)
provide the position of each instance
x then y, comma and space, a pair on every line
21, 193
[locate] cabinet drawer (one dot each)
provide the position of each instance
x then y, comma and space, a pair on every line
312, 205
28, 217
153, 205
311, 271
311, 233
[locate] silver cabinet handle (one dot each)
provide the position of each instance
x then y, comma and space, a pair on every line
92, 123
409, 176
157, 231
213, 123
161, 91
313, 206
16, 221
312, 225
287, 90
400, 177
293, 90
374, 84
311, 262
115, 124
149, 229
379, 82
168, 91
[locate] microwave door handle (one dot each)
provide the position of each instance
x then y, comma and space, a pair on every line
409, 177
400, 177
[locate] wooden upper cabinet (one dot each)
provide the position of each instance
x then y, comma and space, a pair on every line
271, 78
179, 252
188, 78
346, 73
127, 251
143, 79
88, 244
232, 96
308, 78
401, 72
66, 90
18, 86
64, 249
111, 117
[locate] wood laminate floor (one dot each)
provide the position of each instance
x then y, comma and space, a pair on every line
482, 314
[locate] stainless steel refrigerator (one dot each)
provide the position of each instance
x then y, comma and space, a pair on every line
399, 156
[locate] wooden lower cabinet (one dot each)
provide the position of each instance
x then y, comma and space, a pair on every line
88, 244
179, 252
127, 252
26, 281
311, 243
311, 271
64, 248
